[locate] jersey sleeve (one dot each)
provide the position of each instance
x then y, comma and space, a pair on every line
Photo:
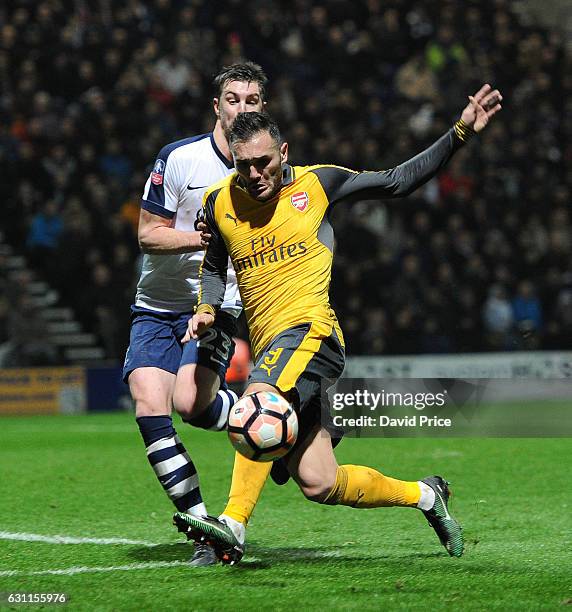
162, 189
214, 267
344, 184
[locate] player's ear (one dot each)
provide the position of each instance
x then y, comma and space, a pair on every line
284, 152
215, 107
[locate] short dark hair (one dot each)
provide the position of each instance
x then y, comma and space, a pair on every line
246, 125
246, 72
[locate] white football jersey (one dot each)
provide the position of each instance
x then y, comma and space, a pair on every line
175, 188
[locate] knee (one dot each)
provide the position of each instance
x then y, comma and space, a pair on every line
144, 407
317, 488
191, 402
316, 493
151, 393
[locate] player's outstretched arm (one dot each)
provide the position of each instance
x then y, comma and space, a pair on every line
349, 185
157, 236
410, 175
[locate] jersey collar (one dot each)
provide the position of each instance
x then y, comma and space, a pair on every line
288, 175
222, 157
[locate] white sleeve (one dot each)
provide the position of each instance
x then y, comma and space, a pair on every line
163, 187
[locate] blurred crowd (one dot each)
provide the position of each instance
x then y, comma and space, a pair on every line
479, 259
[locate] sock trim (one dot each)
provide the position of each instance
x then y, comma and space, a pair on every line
171, 465
335, 496
183, 487
162, 444
427, 497
229, 398
197, 510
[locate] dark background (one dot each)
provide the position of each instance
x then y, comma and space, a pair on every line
477, 260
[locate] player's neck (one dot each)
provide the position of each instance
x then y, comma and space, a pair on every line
220, 141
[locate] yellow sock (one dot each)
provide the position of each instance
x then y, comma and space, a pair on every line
248, 478
364, 487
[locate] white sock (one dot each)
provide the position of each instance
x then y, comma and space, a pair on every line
228, 399
236, 527
427, 499
198, 510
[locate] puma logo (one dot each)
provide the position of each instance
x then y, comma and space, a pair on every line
359, 496
229, 216
267, 368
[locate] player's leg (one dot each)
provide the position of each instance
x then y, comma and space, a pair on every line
203, 400
312, 465
201, 396
151, 389
277, 369
227, 534
326, 364
315, 469
150, 366
248, 477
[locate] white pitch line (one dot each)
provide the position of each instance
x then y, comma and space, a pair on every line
71, 571
59, 539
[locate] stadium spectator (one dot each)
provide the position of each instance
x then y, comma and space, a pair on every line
527, 312
498, 318
415, 81
45, 229
43, 238
173, 73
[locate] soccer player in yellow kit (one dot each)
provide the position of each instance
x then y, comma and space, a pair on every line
272, 220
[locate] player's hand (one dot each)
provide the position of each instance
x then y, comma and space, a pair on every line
482, 107
200, 239
198, 325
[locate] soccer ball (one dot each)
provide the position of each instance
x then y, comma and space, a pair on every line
262, 426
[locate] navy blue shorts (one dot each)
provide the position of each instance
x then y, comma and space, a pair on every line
155, 341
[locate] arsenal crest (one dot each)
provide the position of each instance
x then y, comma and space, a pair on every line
300, 200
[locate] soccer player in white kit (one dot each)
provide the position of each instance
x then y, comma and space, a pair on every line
160, 371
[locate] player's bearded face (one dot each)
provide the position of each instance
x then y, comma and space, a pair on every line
259, 161
237, 97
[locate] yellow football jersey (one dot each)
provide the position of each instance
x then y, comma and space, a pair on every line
282, 249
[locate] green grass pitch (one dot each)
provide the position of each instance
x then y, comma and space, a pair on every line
87, 477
